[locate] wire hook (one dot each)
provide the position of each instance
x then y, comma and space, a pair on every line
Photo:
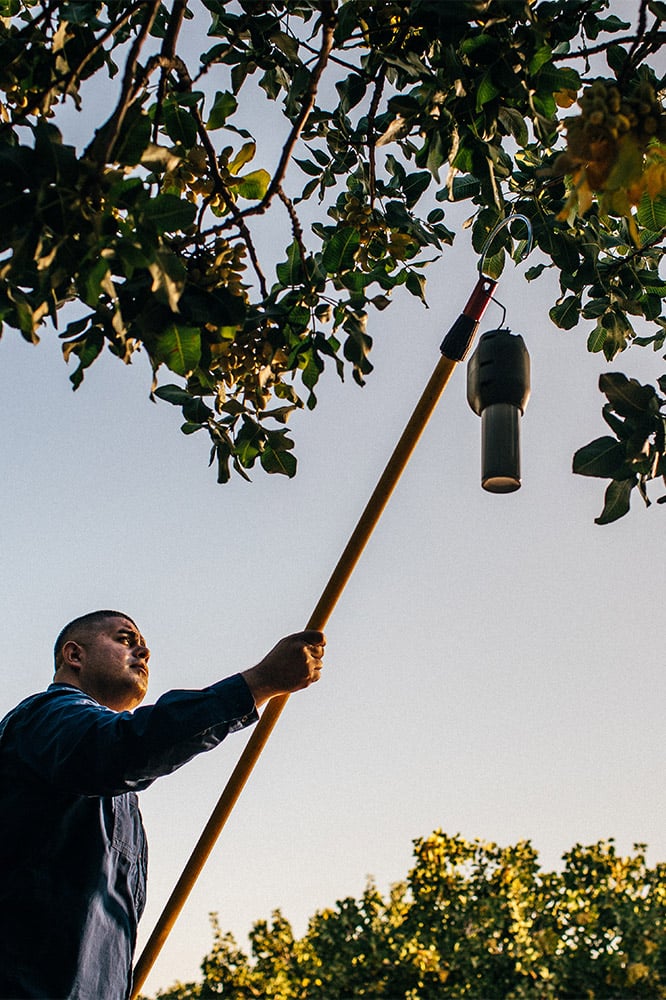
501, 225
502, 307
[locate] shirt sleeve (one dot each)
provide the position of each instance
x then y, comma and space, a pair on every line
81, 747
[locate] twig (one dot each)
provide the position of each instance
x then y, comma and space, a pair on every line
296, 227
640, 33
69, 78
168, 53
44, 15
329, 21
106, 137
65, 80
221, 188
656, 38
337, 60
372, 142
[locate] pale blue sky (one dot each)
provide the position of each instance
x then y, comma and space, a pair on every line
495, 665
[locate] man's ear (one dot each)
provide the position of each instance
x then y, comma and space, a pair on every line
72, 655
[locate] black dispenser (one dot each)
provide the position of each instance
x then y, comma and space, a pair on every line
498, 388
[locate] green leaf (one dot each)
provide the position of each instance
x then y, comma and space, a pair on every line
308, 167
380, 302
620, 427
290, 272
173, 394
616, 57
169, 213
567, 313
416, 283
180, 124
195, 410
595, 308
628, 396
244, 155
542, 56
168, 274
286, 44
178, 347
252, 186
597, 339
414, 185
351, 91
87, 349
282, 463
617, 501
249, 442
133, 139
652, 214
95, 280
338, 253
465, 186
486, 91
514, 123
603, 458
224, 105
494, 265
218, 306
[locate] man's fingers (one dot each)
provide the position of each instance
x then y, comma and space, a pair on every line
312, 637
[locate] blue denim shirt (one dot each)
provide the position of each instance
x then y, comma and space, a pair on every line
72, 844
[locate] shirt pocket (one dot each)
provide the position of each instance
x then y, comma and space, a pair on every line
128, 843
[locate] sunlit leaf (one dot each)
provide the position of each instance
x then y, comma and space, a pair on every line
177, 347
651, 213
168, 276
244, 155
252, 186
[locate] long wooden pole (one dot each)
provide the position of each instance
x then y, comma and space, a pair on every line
454, 349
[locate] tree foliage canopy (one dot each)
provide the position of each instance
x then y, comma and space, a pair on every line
388, 112
472, 920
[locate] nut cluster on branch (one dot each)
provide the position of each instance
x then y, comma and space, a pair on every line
614, 148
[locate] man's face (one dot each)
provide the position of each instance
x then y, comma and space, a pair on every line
114, 664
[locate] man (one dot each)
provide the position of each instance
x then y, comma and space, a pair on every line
72, 845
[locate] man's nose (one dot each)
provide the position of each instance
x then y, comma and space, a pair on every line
143, 651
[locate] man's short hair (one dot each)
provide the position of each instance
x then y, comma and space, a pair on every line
84, 623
